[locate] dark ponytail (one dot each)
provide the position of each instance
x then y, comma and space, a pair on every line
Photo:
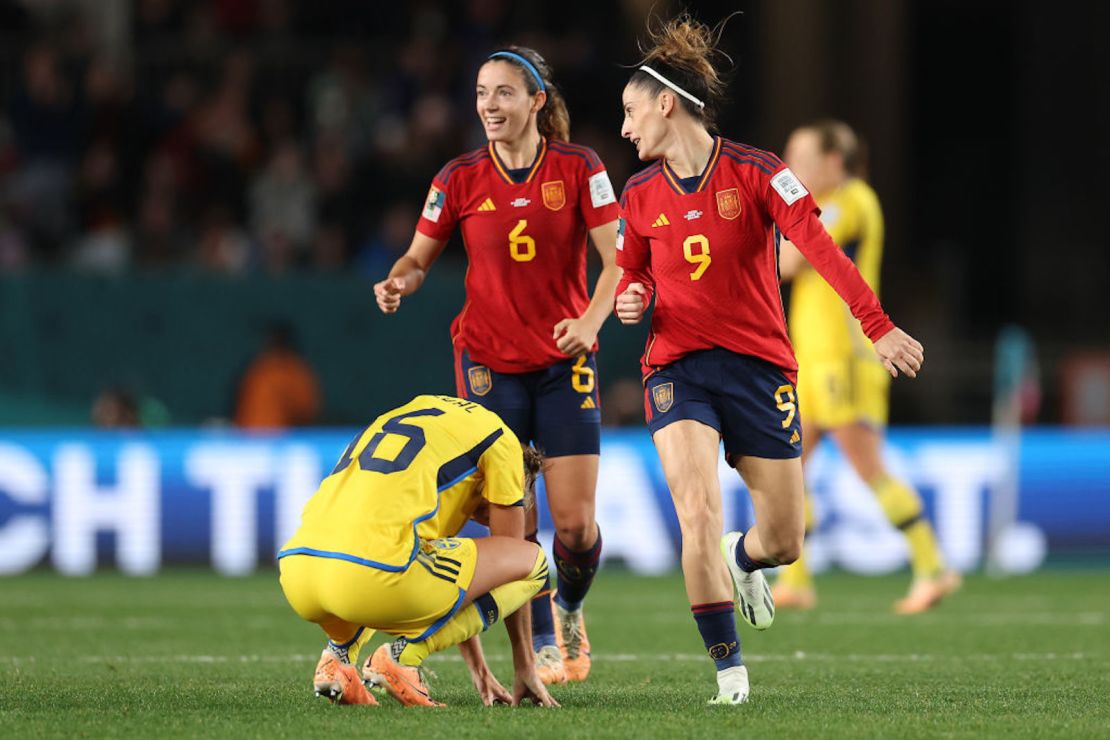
683, 50
553, 120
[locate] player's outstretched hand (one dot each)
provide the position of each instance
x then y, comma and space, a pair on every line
630, 304
573, 337
899, 351
490, 689
527, 685
388, 294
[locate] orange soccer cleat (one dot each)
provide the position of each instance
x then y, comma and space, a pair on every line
404, 683
570, 632
339, 682
549, 665
791, 597
926, 593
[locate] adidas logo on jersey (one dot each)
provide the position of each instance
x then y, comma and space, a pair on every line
588, 403
661, 221
487, 205
692, 214
795, 437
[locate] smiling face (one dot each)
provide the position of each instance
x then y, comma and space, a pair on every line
506, 109
645, 120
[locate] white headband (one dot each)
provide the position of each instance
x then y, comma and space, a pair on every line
668, 83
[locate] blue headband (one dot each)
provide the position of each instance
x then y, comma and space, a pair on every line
527, 65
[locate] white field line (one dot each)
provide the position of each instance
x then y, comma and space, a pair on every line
1077, 619
798, 656
982, 619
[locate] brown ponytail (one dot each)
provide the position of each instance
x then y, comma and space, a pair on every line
553, 120
682, 50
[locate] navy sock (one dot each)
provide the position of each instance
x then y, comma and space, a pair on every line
717, 625
576, 572
543, 622
746, 563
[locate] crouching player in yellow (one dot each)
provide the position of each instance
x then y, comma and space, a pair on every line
842, 386
376, 551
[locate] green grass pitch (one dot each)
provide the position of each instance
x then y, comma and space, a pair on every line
191, 654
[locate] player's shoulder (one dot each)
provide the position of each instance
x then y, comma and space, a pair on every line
463, 163
573, 153
641, 181
746, 158
860, 192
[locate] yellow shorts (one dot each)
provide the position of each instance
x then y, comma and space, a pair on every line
835, 393
342, 596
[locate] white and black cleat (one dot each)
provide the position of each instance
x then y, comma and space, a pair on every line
754, 602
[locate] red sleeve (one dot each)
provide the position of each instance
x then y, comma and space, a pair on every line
633, 257
796, 214
840, 272
440, 215
596, 199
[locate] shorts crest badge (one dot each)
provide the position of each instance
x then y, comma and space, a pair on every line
480, 380
663, 397
728, 203
554, 196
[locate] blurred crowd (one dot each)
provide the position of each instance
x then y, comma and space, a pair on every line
238, 136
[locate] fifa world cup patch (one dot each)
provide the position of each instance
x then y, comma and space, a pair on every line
787, 185
620, 234
554, 195
434, 205
662, 396
480, 380
601, 190
728, 203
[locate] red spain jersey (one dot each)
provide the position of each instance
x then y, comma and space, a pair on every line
710, 256
526, 243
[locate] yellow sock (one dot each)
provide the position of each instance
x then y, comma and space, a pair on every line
797, 575
479, 615
903, 509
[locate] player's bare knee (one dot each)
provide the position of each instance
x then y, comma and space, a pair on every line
577, 535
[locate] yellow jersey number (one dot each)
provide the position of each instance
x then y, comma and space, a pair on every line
582, 377
522, 248
785, 402
700, 258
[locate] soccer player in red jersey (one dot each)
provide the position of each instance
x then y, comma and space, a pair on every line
526, 337
698, 233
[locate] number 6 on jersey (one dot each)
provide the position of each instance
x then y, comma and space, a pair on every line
518, 239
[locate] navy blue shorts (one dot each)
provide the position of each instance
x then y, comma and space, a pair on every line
558, 409
748, 400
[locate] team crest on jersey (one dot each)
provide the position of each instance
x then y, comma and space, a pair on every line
728, 203
663, 397
480, 380
446, 543
554, 196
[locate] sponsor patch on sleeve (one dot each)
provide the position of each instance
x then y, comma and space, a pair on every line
620, 234
434, 205
788, 186
601, 190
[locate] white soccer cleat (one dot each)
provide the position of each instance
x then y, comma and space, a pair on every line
732, 686
753, 596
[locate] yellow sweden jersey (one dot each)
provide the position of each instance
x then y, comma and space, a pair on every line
821, 325
419, 471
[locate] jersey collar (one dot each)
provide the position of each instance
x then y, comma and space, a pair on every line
504, 171
710, 166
